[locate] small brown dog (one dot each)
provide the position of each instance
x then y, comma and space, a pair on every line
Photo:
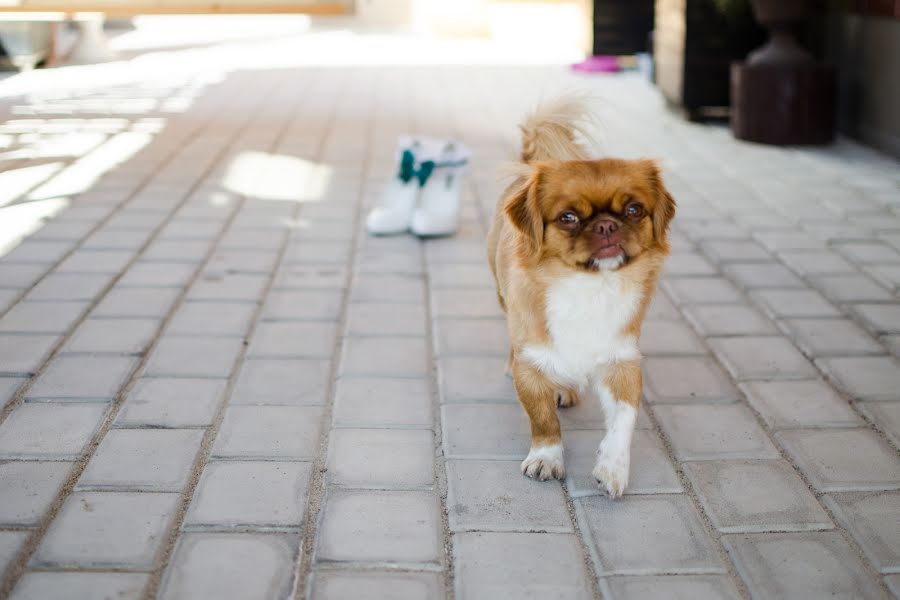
576, 247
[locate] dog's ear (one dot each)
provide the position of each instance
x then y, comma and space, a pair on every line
524, 212
664, 207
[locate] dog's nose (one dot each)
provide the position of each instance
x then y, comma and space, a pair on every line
605, 227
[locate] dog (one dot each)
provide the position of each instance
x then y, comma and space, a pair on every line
576, 247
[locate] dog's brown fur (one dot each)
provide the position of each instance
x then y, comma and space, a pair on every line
530, 248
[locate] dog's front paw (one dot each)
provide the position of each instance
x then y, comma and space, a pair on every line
544, 462
611, 472
566, 398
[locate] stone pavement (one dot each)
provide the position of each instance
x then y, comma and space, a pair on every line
214, 385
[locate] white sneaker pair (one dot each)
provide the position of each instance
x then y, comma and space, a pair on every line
424, 196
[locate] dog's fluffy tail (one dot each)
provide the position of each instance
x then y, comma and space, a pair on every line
551, 131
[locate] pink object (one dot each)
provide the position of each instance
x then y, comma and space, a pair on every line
598, 64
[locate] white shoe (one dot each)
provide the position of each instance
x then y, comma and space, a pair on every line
395, 207
439, 201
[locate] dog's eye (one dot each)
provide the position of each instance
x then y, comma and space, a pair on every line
634, 210
568, 219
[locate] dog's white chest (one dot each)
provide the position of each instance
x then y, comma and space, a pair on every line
586, 313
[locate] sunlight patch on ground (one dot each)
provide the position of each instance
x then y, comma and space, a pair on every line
15, 182
21, 220
277, 177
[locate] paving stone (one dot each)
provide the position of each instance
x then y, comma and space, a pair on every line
36, 251
95, 261
851, 288
885, 415
27, 489
400, 288
186, 251
383, 318
318, 252
157, 460
662, 309
382, 402
808, 263
641, 535
667, 337
467, 379
282, 382
193, 357
886, 275
485, 430
260, 566
665, 587
212, 319
7, 299
460, 276
381, 457
107, 529
728, 319
473, 337
217, 286
799, 404
830, 337
734, 251
171, 403
824, 458
686, 379
762, 275
494, 496
761, 357
871, 519
379, 526
8, 387
48, 430
24, 354
788, 240
300, 277
41, 317
21, 276
881, 318
651, 469
893, 584
112, 336
136, 302
465, 303
781, 304
700, 290
369, 585
301, 305
869, 252
250, 494
68, 287
384, 357
714, 431
272, 432
864, 377
519, 565
49, 585
157, 274
10, 543
242, 261
442, 251
748, 496
800, 565
302, 339
687, 264
76, 377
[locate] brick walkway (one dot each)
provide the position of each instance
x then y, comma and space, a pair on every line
212, 390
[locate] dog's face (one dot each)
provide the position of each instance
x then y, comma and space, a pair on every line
592, 215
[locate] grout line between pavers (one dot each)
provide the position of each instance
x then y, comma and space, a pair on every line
317, 488
18, 566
